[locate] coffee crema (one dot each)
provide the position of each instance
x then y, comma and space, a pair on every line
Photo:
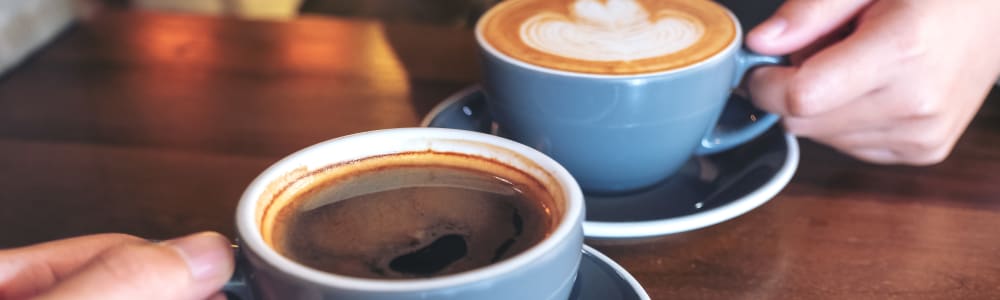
609, 37
409, 215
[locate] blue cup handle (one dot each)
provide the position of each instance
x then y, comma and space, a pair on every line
718, 140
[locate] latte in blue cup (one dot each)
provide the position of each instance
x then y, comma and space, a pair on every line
620, 92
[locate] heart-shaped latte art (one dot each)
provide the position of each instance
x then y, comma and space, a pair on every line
617, 30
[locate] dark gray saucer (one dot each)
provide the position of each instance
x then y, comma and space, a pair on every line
600, 278
706, 191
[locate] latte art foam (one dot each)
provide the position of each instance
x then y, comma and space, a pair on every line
619, 30
609, 37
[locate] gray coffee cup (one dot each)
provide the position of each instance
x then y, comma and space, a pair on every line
547, 270
618, 133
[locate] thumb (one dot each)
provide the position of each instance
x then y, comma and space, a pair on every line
192, 267
798, 23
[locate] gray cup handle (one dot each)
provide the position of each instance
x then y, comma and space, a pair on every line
238, 286
718, 140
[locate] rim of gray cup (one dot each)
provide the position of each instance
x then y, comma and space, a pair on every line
393, 141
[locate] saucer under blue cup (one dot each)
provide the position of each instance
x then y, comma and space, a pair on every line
708, 190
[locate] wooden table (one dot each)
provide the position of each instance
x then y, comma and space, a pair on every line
152, 124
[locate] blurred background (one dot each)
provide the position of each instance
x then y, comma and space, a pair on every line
25, 25
439, 12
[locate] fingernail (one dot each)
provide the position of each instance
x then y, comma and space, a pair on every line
772, 28
208, 254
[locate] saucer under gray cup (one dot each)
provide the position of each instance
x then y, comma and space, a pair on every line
619, 133
599, 278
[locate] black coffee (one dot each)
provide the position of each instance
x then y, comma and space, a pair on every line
412, 216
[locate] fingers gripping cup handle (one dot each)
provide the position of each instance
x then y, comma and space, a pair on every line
718, 140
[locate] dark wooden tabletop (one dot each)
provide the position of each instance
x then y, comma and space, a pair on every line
152, 124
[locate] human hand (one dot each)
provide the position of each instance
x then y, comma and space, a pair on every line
117, 266
886, 81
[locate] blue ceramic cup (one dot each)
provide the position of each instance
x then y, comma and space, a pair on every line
617, 133
545, 271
